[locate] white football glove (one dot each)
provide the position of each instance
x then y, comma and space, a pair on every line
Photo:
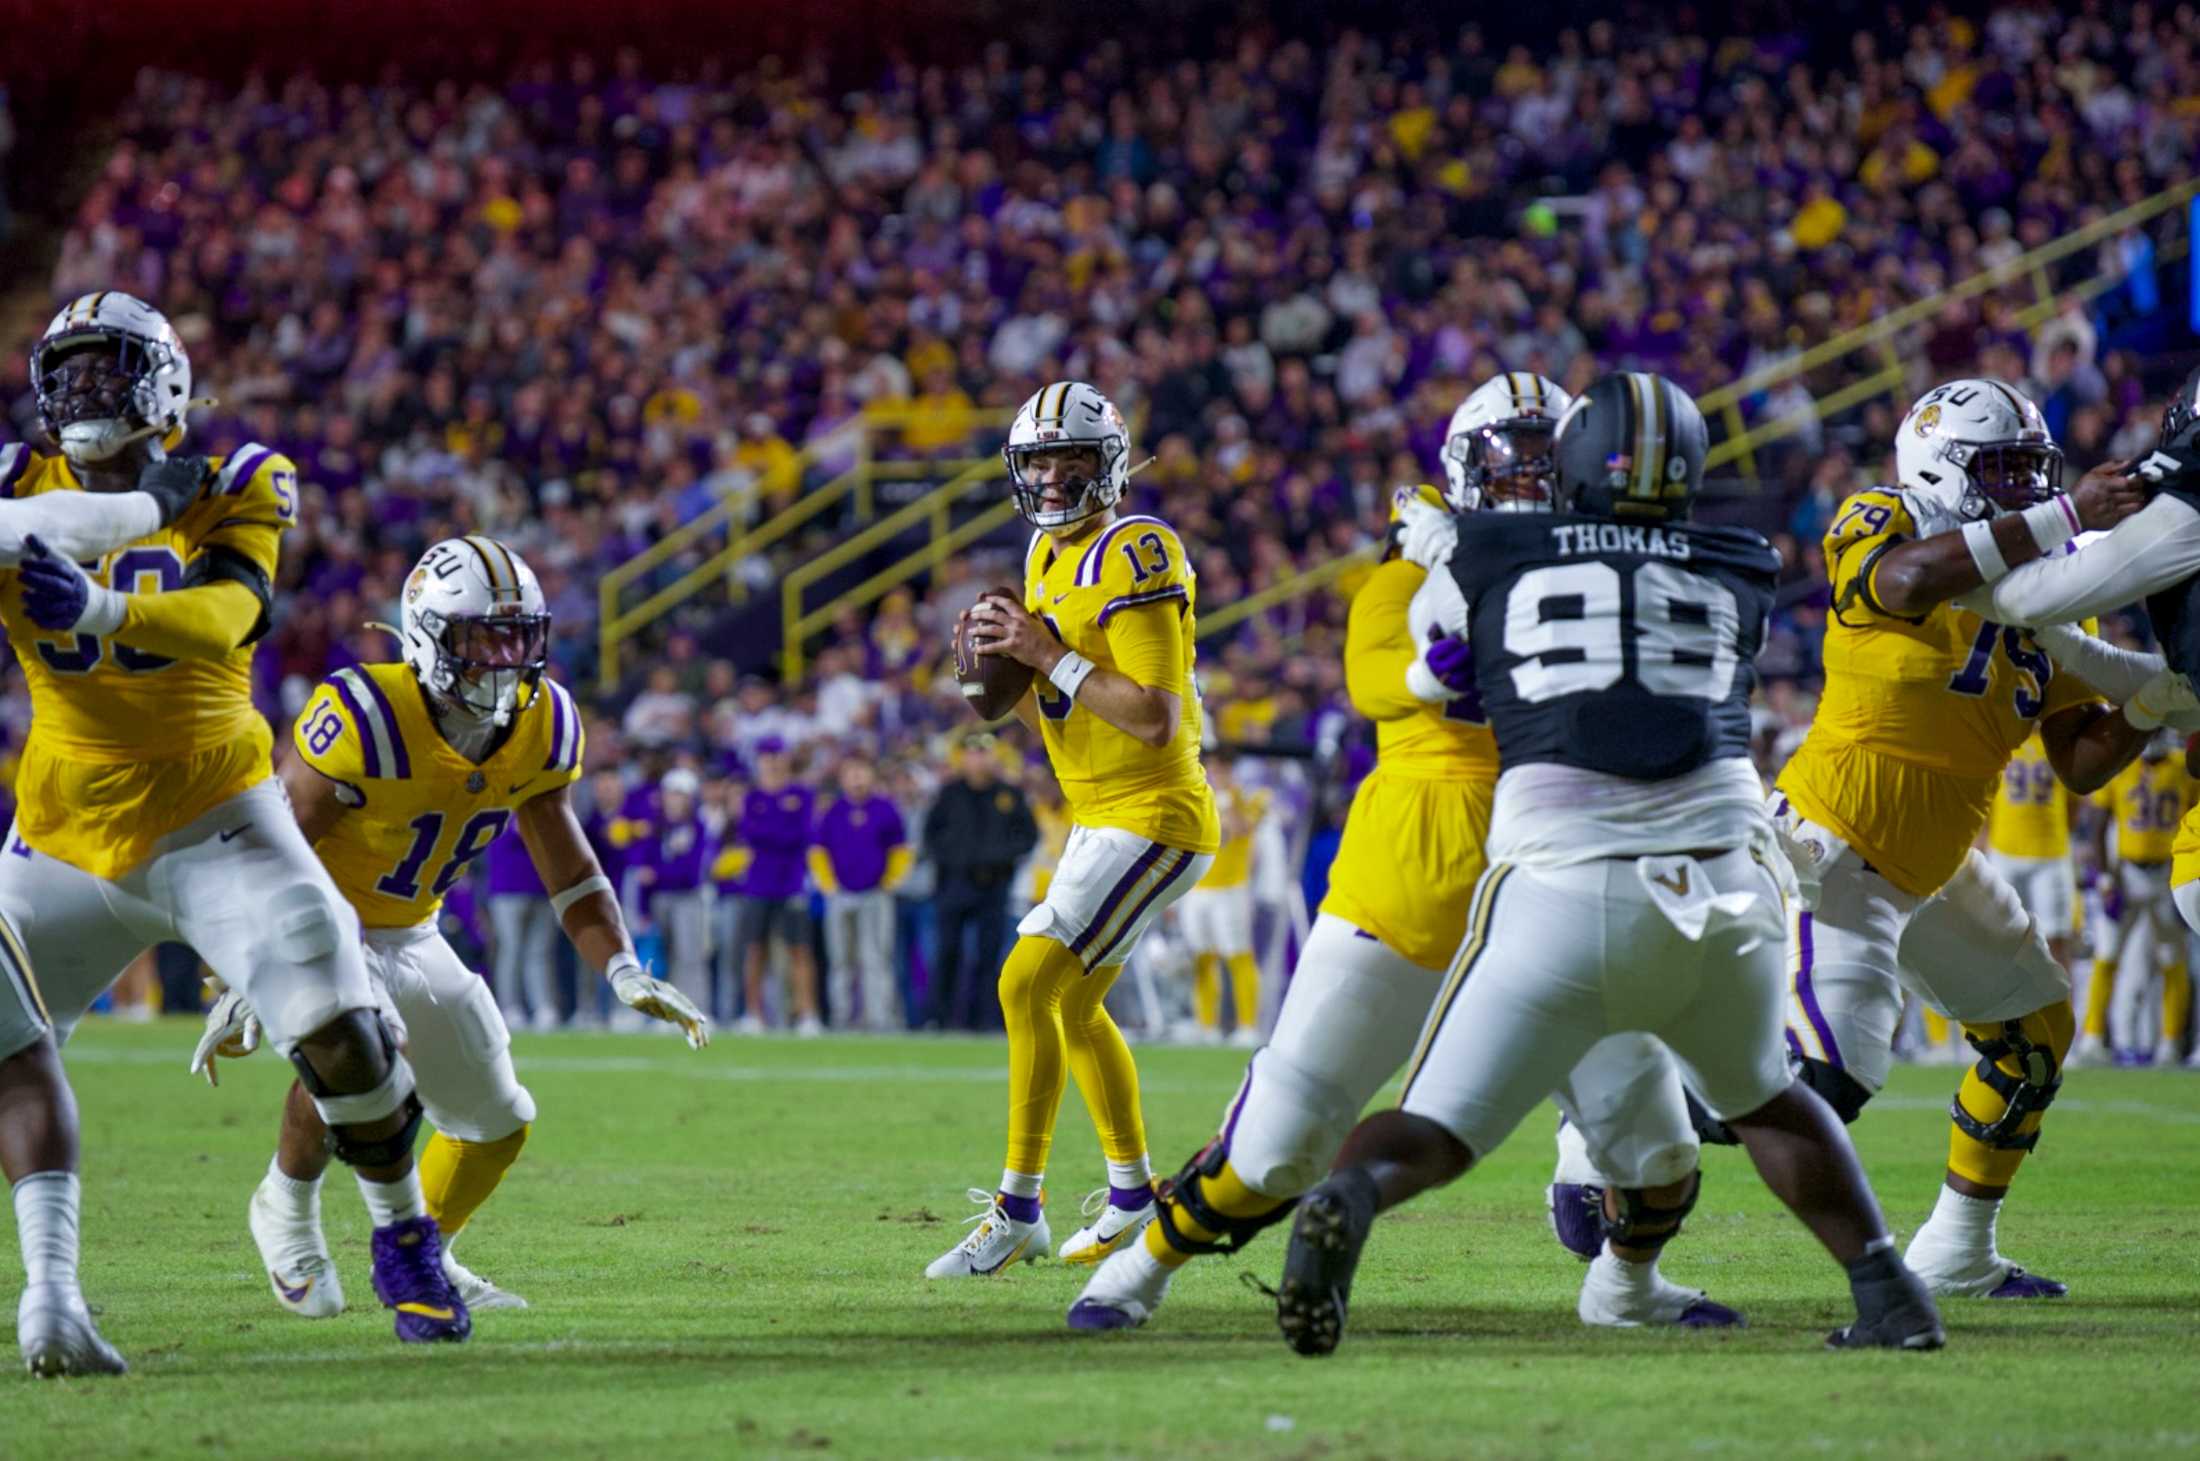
2168, 696
660, 1001
1426, 535
232, 1033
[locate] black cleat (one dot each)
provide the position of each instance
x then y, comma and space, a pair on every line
1326, 1238
1894, 1312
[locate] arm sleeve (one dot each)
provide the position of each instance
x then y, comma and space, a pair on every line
1378, 644
1148, 645
2157, 546
76, 525
2116, 673
205, 622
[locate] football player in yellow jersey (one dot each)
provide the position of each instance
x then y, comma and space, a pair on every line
2184, 884
148, 810
1106, 624
1924, 705
1216, 917
2135, 845
400, 776
2028, 841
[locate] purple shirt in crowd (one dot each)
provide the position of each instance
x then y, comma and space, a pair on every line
679, 853
856, 837
775, 827
511, 870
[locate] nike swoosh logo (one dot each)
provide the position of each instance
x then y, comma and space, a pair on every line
292, 1295
514, 788
427, 1311
1677, 885
236, 832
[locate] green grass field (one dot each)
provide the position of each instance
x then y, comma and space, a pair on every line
723, 1251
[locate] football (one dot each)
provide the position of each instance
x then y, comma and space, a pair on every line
992, 683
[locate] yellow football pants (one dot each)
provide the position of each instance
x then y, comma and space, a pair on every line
1058, 1027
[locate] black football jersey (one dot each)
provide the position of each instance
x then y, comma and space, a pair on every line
2175, 611
1622, 648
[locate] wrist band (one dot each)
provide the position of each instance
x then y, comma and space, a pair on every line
623, 962
1422, 684
561, 901
1985, 552
1071, 671
2053, 522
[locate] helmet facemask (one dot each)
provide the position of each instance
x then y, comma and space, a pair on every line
2007, 476
1082, 490
1506, 466
483, 660
92, 391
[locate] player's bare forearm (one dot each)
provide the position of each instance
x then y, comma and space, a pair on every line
1147, 714
315, 800
563, 859
2088, 744
1912, 578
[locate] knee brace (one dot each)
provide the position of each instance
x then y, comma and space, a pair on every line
1642, 1225
394, 1095
1183, 1191
1836, 1087
2035, 1090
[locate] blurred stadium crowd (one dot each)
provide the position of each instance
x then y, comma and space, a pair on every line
577, 308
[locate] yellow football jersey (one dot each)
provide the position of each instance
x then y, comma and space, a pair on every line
423, 811
1412, 846
1233, 865
127, 746
2149, 803
2031, 812
1080, 590
1919, 716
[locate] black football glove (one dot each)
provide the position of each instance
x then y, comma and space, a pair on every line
175, 483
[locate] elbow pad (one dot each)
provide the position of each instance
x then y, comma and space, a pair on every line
227, 565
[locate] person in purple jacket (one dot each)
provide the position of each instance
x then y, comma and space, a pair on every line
676, 860
858, 855
525, 935
773, 905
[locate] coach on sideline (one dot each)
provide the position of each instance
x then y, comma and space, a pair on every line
978, 830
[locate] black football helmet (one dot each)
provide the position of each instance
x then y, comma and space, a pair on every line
1631, 448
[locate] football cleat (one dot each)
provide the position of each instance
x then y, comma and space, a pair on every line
1245, 1037
294, 1255
1123, 1292
408, 1278
1949, 1273
2089, 1050
1326, 1238
1901, 1316
57, 1336
1613, 1298
1575, 1199
996, 1242
1111, 1228
477, 1291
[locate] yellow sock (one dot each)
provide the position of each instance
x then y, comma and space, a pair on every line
1936, 1027
1033, 981
2097, 991
1100, 1062
2176, 1003
1207, 991
456, 1177
1226, 1194
1245, 984
2052, 1027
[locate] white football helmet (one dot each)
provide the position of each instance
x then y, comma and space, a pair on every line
1977, 448
475, 627
1497, 450
110, 370
1068, 413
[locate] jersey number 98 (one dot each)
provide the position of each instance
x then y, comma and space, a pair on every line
1573, 635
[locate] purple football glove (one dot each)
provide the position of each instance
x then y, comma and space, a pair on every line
1451, 661
55, 591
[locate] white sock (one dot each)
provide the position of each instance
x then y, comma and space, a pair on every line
1021, 1184
303, 1198
46, 1210
394, 1202
1967, 1222
1637, 1278
1131, 1174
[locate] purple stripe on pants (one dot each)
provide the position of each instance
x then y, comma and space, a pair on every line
1162, 885
1809, 995
1116, 895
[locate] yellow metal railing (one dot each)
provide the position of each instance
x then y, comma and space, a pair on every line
730, 517
1741, 440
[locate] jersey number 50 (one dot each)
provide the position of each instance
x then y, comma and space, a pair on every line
1573, 634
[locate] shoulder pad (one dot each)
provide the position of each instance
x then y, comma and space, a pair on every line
568, 742
258, 474
1136, 560
382, 751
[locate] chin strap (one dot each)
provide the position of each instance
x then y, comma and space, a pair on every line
196, 403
